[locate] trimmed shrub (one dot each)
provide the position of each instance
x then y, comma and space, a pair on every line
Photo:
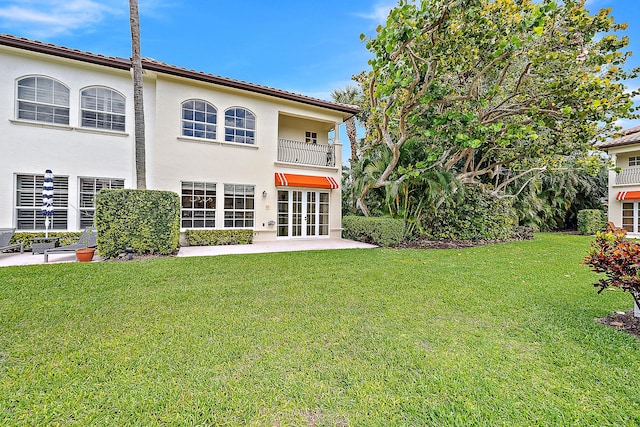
218, 237
375, 230
590, 221
64, 237
146, 220
477, 216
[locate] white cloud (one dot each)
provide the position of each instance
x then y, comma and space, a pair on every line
379, 13
626, 123
49, 18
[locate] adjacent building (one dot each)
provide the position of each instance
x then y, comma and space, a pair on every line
240, 155
624, 181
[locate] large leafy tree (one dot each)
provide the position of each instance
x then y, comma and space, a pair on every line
492, 91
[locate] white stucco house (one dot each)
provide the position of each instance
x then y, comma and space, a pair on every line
624, 182
240, 155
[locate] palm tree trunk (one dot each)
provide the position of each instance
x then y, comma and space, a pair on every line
350, 125
138, 103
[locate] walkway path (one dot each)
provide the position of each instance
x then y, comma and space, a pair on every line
27, 258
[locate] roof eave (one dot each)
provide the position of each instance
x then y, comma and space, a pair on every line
125, 64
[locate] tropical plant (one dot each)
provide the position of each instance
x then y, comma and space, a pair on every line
552, 200
619, 259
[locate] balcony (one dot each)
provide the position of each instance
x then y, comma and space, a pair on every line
628, 176
307, 154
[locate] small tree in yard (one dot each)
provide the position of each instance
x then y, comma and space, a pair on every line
619, 259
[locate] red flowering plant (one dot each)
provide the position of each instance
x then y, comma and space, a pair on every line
619, 259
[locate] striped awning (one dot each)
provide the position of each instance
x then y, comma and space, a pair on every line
628, 195
305, 181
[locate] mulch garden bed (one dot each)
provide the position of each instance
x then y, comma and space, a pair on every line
623, 320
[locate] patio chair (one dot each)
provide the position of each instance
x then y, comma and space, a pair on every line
5, 238
87, 240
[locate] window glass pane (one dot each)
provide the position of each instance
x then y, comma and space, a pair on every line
27, 93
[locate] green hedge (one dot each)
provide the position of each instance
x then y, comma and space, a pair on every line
477, 216
375, 230
218, 237
591, 220
64, 237
146, 220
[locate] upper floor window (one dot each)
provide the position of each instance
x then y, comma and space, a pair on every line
239, 126
102, 108
199, 119
634, 161
43, 99
311, 137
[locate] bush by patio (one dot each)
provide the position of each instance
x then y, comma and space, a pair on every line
378, 231
64, 237
218, 237
146, 220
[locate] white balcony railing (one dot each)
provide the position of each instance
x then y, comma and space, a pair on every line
628, 176
306, 154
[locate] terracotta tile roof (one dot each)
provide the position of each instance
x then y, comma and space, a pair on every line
161, 67
628, 137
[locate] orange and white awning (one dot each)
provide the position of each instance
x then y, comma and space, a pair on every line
305, 181
628, 195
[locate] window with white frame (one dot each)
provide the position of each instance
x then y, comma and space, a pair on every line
239, 126
634, 161
88, 189
43, 99
239, 206
311, 137
630, 217
199, 119
102, 108
198, 205
29, 202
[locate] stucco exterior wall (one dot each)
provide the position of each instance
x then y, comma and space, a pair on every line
32, 147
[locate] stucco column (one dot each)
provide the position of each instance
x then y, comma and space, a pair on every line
614, 208
338, 147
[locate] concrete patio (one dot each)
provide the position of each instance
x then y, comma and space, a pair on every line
27, 258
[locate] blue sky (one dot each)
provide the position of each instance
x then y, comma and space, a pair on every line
304, 46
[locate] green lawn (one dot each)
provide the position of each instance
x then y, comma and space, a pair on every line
488, 336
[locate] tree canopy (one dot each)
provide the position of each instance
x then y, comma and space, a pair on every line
491, 91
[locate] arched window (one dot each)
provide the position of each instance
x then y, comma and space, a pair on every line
43, 99
239, 126
102, 108
199, 119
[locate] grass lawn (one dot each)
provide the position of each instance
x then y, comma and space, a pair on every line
487, 336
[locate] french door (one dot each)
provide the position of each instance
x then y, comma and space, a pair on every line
303, 213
